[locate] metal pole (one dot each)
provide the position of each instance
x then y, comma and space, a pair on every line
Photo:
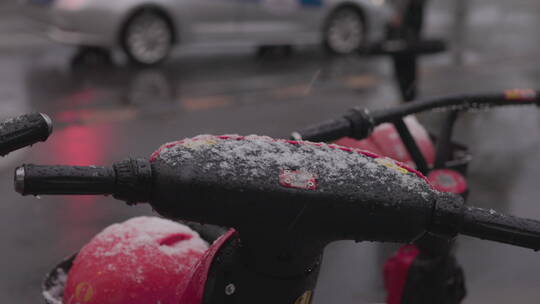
461, 9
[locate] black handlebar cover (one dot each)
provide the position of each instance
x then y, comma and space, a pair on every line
341, 191
22, 131
238, 181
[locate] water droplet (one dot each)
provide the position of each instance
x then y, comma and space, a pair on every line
230, 289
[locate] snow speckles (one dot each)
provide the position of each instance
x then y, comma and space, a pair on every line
143, 232
54, 294
13, 120
254, 157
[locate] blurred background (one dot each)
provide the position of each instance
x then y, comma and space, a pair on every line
244, 70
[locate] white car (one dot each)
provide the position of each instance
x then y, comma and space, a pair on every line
147, 30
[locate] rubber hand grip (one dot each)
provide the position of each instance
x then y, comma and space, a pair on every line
34, 180
22, 131
494, 226
329, 130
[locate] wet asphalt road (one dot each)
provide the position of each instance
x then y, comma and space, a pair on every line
106, 114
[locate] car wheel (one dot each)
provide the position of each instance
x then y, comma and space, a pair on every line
345, 32
147, 38
150, 84
267, 51
91, 57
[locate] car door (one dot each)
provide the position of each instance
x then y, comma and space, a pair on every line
282, 21
209, 20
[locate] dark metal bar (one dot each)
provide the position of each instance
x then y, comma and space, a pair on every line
444, 142
412, 147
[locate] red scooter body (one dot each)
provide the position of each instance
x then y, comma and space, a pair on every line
384, 141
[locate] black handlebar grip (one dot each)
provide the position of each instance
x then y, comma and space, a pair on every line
356, 123
22, 131
494, 226
329, 130
91, 180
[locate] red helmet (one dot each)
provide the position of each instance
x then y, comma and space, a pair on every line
143, 260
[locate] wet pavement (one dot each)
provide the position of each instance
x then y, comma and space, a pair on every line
108, 113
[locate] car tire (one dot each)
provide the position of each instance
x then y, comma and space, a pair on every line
150, 84
273, 51
147, 38
91, 57
345, 31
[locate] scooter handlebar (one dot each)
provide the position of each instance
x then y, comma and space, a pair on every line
325, 131
217, 180
494, 226
22, 131
76, 180
36, 180
126, 180
514, 97
359, 123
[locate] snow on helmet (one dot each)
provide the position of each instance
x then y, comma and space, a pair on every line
143, 260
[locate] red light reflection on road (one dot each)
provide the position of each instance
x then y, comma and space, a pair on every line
79, 98
80, 145
72, 116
